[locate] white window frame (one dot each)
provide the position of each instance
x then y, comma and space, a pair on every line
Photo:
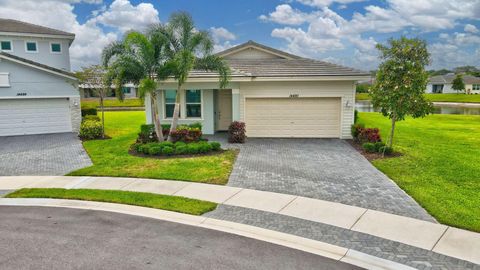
164, 109
11, 45
477, 85
194, 103
7, 75
61, 47
31, 41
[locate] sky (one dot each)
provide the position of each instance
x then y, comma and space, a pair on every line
339, 31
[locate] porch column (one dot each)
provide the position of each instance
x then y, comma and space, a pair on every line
148, 108
235, 104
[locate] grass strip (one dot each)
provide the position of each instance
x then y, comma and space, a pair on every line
164, 202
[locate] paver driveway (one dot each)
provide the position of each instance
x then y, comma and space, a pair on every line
49, 154
327, 169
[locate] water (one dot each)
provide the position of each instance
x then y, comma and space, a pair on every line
366, 106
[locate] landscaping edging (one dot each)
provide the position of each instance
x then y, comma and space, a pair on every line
213, 153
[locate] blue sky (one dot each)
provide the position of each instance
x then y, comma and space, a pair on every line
340, 31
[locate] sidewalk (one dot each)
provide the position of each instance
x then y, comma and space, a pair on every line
347, 226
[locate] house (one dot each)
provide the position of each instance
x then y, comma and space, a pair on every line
38, 93
442, 84
275, 93
86, 89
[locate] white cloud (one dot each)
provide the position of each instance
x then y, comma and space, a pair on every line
123, 15
470, 28
222, 38
285, 14
326, 3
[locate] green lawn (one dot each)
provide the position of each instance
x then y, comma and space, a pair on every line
440, 167
165, 202
131, 102
111, 158
462, 98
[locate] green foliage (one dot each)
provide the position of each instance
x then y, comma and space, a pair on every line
385, 150
167, 150
155, 150
458, 84
356, 128
193, 148
401, 80
362, 88
379, 145
166, 144
215, 146
90, 130
90, 117
197, 125
180, 149
369, 147
355, 116
89, 111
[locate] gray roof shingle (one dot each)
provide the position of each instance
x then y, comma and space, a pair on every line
14, 26
448, 78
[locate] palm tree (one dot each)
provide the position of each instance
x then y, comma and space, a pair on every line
137, 59
187, 49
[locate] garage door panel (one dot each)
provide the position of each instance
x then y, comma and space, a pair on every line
34, 116
296, 118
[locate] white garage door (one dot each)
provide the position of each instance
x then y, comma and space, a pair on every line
34, 116
293, 117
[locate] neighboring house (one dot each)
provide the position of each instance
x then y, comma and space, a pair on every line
38, 93
86, 91
442, 84
276, 93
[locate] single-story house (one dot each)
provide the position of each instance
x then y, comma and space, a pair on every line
86, 91
442, 84
277, 94
38, 93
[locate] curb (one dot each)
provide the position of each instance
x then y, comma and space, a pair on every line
291, 241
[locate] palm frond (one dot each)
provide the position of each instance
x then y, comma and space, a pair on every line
215, 63
110, 51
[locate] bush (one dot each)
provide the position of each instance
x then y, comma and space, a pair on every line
166, 144
204, 147
378, 145
355, 116
215, 146
192, 148
88, 111
91, 117
237, 132
371, 135
369, 147
147, 134
362, 88
180, 149
180, 144
90, 130
155, 150
186, 134
386, 150
167, 150
355, 130
197, 125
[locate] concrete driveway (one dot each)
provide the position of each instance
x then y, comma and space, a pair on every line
327, 169
60, 238
49, 154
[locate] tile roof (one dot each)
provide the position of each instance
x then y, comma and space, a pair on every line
448, 78
21, 59
14, 26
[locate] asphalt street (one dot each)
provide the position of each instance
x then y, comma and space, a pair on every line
61, 238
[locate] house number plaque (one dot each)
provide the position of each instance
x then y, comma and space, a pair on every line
294, 95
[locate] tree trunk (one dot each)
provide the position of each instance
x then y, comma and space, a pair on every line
176, 114
392, 131
156, 121
103, 117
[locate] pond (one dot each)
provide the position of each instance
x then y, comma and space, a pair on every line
366, 106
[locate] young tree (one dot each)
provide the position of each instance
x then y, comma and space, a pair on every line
187, 49
94, 78
458, 84
138, 58
401, 81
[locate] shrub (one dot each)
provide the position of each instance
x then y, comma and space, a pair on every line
362, 88
90, 130
196, 125
369, 147
88, 111
180, 149
378, 145
155, 150
355, 130
215, 146
355, 116
186, 134
147, 134
166, 144
90, 117
371, 135
192, 148
204, 147
237, 132
167, 150
179, 144
386, 150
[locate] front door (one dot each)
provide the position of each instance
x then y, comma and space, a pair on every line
224, 109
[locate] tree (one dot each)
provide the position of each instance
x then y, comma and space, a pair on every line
188, 49
458, 84
94, 78
138, 58
401, 81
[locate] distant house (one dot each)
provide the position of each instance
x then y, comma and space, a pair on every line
86, 89
442, 84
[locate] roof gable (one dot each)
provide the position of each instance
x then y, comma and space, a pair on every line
14, 26
253, 50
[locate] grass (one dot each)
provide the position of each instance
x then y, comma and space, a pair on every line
164, 202
461, 98
131, 102
111, 158
440, 167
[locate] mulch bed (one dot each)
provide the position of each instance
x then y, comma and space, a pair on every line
99, 139
213, 153
371, 156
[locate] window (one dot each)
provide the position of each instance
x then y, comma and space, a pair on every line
476, 87
170, 96
6, 45
193, 103
4, 79
31, 46
126, 90
55, 48
437, 88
